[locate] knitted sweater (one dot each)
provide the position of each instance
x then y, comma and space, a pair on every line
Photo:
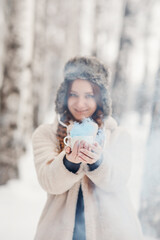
107, 208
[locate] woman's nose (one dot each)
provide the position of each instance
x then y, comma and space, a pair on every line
81, 102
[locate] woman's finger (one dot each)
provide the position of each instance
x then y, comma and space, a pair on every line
81, 159
87, 153
96, 148
86, 158
75, 148
67, 149
82, 144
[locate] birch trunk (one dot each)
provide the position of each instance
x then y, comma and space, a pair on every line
121, 79
2, 37
107, 15
87, 25
38, 65
16, 110
150, 197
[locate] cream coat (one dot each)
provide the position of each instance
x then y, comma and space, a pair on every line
108, 211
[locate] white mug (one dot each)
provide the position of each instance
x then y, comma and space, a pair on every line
72, 140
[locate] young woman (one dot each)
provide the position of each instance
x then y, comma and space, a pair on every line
86, 185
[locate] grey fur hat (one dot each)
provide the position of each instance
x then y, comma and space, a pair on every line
87, 68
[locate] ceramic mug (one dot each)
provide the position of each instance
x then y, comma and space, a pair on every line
70, 141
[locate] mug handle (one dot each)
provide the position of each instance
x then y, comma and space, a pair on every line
65, 140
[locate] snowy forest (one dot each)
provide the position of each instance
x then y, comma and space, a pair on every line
37, 38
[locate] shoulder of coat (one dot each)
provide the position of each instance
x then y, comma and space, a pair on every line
46, 129
114, 131
110, 124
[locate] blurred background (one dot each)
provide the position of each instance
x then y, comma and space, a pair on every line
37, 37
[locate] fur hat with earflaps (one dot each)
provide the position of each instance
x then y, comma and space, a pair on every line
86, 68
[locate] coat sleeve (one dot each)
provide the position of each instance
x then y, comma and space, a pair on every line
114, 171
52, 174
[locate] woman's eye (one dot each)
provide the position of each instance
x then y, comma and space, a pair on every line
73, 95
89, 96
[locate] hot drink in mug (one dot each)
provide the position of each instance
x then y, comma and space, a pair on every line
70, 141
86, 131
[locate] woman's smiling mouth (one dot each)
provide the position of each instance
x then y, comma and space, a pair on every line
80, 112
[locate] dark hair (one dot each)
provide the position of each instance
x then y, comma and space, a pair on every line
98, 115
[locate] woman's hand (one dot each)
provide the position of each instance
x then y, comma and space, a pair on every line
73, 156
89, 153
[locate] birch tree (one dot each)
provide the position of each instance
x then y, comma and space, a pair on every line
16, 110
107, 27
38, 62
120, 84
87, 27
150, 196
143, 98
2, 37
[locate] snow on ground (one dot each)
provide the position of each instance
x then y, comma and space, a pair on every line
139, 135
22, 201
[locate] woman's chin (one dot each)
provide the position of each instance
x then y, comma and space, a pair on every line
80, 118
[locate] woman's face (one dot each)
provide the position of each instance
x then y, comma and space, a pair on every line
81, 100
